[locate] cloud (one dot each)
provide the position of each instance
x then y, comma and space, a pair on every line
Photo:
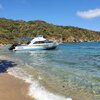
89, 14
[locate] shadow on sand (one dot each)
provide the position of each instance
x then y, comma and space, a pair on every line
5, 64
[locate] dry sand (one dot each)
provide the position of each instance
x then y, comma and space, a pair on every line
12, 88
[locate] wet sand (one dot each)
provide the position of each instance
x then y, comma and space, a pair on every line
12, 88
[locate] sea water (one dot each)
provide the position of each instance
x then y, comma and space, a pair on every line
72, 71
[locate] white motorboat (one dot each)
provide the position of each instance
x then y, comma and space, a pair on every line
37, 43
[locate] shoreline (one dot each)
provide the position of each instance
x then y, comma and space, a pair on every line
11, 88
15, 88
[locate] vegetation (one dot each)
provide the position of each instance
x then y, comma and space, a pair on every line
13, 29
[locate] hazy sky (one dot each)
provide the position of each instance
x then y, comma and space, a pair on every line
81, 13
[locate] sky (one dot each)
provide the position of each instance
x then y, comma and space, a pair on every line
78, 13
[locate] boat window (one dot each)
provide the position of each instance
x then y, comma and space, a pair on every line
39, 42
48, 41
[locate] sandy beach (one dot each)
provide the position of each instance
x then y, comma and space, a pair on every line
11, 88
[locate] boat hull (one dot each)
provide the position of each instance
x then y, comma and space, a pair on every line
38, 47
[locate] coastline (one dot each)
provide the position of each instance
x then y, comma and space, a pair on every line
11, 88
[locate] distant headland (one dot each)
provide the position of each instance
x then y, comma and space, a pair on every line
13, 29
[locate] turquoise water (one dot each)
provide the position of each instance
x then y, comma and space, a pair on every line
71, 68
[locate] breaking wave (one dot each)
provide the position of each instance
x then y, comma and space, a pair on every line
35, 89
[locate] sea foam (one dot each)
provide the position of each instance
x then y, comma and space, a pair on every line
35, 89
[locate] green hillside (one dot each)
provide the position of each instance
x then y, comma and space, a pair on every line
11, 29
